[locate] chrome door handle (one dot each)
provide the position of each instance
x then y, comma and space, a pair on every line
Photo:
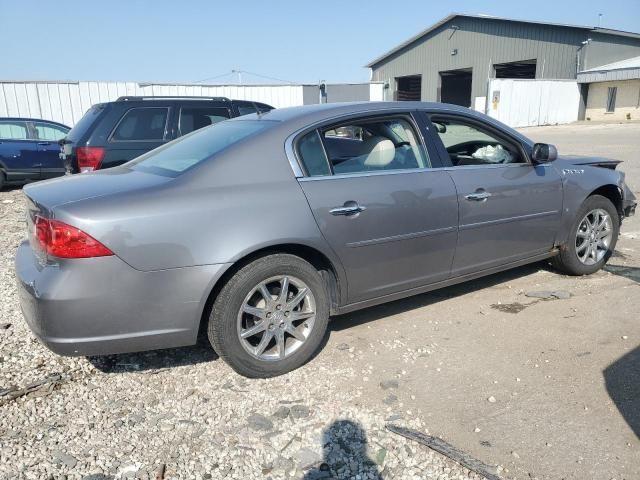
349, 208
478, 196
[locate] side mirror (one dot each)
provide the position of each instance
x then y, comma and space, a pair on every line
440, 127
544, 152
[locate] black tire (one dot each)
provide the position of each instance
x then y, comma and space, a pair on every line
223, 320
567, 260
1, 180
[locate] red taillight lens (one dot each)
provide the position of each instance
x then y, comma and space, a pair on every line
61, 240
89, 158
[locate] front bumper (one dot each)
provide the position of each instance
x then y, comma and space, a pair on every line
629, 201
99, 306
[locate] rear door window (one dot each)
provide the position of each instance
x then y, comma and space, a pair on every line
142, 124
13, 130
246, 108
49, 132
194, 118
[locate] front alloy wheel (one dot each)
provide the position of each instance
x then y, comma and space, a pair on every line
593, 237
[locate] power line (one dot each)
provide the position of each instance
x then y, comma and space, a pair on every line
254, 74
213, 78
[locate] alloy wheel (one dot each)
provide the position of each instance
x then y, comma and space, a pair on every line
276, 318
593, 237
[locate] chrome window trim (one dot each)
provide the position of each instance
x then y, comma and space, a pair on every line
374, 173
296, 165
416, 170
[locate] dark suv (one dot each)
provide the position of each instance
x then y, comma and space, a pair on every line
113, 133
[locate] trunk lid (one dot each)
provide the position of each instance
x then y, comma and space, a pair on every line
47, 195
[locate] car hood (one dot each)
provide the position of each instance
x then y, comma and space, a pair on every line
72, 188
591, 161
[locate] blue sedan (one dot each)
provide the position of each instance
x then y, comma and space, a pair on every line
29, 149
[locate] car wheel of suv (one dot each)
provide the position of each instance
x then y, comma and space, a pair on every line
592, 239
1, 180
270, 317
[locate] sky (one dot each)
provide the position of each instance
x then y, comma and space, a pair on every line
203, 41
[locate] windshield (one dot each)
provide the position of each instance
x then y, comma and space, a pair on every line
185, 152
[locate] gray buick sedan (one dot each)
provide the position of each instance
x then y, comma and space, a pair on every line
259, 228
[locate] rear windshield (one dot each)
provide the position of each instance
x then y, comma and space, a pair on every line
185, 152
85, 123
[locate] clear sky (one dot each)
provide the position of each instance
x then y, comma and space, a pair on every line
188, 41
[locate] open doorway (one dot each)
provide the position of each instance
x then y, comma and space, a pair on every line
408, 88
523, 69
455, 87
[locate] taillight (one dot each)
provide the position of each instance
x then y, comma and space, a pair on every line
89, 158
61, 240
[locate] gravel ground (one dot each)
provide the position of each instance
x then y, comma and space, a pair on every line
538, 387
130, 415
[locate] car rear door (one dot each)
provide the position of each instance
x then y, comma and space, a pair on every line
47, 135
509, 208
390, 217
18, 152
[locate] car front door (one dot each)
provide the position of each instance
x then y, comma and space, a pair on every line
390, 217
509, 208
47, 136
18, 152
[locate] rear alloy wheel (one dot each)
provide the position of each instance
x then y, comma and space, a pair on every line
592, 239
270, 317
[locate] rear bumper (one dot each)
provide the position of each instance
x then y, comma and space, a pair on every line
100, 306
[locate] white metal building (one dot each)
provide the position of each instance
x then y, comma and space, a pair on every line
66, 101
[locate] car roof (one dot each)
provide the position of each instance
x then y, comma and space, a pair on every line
26, 119
295, 118
319, 112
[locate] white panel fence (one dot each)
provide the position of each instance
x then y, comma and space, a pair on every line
66, 102
524, 103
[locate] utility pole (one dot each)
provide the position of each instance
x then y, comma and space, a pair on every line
599, 19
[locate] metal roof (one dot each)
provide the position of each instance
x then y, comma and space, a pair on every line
633, 62
628, 69
425, 32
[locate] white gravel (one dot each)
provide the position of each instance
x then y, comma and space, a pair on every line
183, 410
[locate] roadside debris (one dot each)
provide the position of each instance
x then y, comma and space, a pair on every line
515, 307
448, 450
4, 326
43, 387
549, 294
160, 471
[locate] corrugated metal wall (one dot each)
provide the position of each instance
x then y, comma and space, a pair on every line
605, 49
66, 102
482, 42
526, 103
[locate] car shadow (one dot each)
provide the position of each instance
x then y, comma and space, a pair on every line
202, 352
632, 273
359, 317
622, 380
156, 359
